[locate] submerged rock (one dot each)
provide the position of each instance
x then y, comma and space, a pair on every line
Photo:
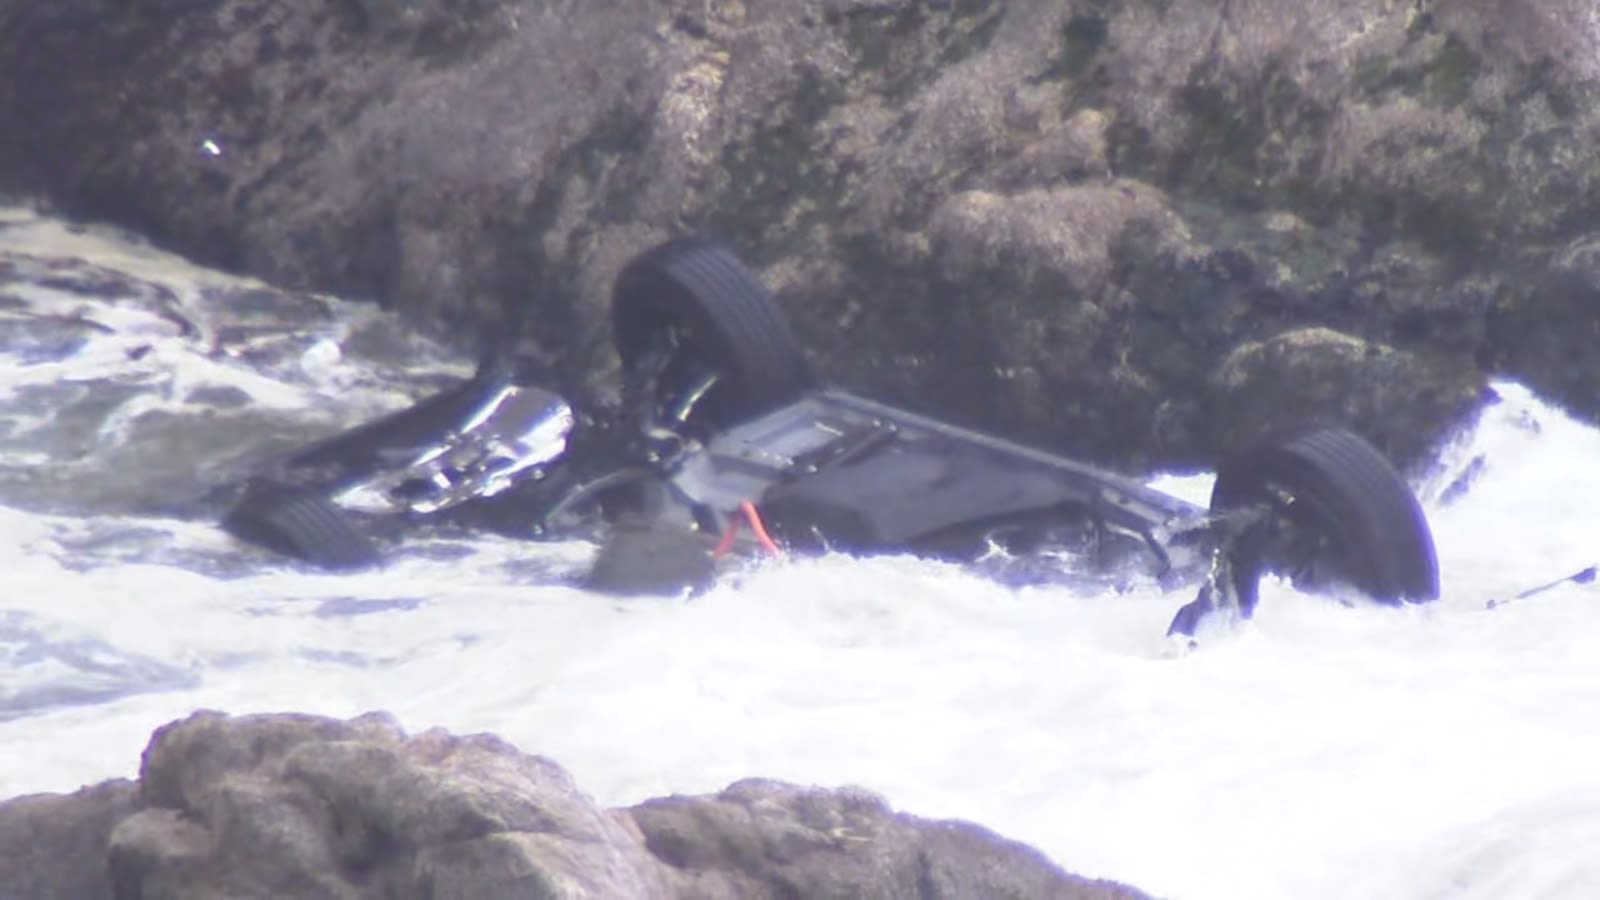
301, 806
1055, 219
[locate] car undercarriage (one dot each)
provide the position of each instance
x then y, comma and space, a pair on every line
725, 439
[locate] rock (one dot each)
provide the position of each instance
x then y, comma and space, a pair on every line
762, 838
301, 806
54, 845
652, 557
1553, 330
1052, 219
1341, 381
298, 806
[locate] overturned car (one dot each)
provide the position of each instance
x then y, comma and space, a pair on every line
724, 442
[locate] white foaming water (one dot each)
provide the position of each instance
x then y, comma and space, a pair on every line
1317, 751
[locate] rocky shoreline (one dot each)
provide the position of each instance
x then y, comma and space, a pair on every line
1106, 225
291, 805
1138, 231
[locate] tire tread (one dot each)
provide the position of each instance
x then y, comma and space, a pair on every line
1392, 546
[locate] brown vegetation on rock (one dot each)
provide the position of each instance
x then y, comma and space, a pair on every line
872, 158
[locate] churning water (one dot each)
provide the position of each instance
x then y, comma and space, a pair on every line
1317, 751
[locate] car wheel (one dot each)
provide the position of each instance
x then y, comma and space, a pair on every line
688, 311
300, 524
1338, 513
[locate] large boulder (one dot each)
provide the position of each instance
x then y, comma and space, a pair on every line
54, 845
307, 807
298, 806
1337, 378
1053, 218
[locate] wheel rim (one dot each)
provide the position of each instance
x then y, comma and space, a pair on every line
685, 383
1307, 545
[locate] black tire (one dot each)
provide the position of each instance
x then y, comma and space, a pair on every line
726, 318
1332, 487
299, 524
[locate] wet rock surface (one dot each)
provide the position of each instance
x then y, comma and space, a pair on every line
1059, 220
300, 806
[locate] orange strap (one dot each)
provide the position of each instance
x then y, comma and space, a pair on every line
752, 517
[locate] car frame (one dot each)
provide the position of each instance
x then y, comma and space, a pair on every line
723, 441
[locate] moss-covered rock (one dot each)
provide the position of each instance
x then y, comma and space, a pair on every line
1336, 378
1053, 218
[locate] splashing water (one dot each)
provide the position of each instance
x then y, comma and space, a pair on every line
1316, 751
